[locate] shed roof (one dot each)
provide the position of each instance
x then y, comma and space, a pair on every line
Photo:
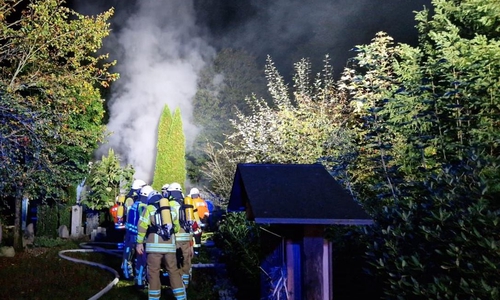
293, 194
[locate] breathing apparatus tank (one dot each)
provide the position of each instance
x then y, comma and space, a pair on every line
163, 219
120, 212
189, 210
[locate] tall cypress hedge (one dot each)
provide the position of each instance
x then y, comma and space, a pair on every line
170, 157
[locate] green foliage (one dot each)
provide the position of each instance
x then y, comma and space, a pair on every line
47, 222
50, 69
171, 150
426, 159
239, 240
307, 124
177, 151
107, 179
222, 86
46, 241
314, 123
163, 164
64, 211
443, 244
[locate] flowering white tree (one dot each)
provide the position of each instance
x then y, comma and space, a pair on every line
298, 127
301, 126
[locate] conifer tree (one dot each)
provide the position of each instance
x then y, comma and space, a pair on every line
171, 150
177, 150
163, 163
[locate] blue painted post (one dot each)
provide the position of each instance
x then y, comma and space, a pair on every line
294, 268
24, 213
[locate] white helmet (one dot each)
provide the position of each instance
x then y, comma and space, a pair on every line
146, 190
137, 184
165, 187
174, 187
194, 191
154, 196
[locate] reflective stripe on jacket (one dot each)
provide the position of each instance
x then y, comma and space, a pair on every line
154, 243
133, 216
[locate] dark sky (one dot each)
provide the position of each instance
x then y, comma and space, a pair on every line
289, 30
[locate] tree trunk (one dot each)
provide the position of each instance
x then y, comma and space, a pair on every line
18, 241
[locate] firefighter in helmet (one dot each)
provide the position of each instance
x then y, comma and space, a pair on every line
184, 238
201, 214
164, 190
157, 228
133, 214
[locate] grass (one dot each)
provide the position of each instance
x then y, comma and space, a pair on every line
39, 274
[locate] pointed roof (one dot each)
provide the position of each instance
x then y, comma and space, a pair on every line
293, 194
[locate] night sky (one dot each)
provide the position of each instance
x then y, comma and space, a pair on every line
289, 30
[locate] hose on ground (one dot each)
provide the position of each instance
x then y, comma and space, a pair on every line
89, 247
95, 247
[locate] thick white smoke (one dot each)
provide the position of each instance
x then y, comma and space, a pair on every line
159, 54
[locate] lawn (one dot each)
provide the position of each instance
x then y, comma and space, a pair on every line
39, 274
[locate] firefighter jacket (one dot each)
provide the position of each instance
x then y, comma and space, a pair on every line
201, 207
133, 215
147, 232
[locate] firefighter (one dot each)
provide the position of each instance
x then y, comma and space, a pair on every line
133, 214
164, 190
157, 229
201, 214
184, 238
133, 194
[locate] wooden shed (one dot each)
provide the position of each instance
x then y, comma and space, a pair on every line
297, 201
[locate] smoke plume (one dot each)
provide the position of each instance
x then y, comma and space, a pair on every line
160, 49
159, 53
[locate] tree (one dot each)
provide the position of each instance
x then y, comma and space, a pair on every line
307, 124
177, 142
171, 150
431, 153
107, 179
163, 163
23, 150
222, 88
304, 128
50, 67
219, 169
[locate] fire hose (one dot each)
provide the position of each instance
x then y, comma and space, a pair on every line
89, 247
94, 247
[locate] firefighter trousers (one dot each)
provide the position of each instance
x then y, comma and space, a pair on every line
175, 276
